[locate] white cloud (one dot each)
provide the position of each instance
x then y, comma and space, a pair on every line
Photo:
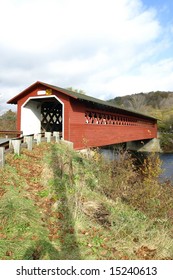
104, 47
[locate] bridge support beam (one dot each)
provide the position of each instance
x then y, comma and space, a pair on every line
152, 145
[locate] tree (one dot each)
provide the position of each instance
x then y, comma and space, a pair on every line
8, 121
81, 91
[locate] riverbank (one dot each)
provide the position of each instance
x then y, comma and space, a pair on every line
111, 152
166, 142
56, 203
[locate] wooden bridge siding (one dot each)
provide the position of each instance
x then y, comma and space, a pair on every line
90, 135
77, 112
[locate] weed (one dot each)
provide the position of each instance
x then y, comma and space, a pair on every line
44, 193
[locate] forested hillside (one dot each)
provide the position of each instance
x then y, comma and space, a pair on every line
158, 104
155, 99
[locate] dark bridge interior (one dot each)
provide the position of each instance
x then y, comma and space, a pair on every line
51, 116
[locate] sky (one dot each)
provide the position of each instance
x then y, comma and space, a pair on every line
106, 48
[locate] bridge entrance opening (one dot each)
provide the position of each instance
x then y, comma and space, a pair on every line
51, 116
42, 114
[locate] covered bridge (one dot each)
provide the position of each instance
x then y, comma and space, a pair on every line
82, 119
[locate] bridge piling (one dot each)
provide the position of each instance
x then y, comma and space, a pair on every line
152, 145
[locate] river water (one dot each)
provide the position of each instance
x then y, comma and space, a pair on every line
166, 159
167, 166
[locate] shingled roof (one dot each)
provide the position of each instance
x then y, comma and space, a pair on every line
75, 95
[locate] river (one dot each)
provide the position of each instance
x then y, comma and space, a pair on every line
166, 159
167, 166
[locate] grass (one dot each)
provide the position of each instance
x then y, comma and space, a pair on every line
56, 203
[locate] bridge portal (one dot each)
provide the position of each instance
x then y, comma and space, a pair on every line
40, 114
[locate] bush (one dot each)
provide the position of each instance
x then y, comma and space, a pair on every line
138, 187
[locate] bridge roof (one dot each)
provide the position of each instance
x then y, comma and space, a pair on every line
79, 96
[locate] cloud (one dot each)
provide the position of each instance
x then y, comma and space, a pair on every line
105, 47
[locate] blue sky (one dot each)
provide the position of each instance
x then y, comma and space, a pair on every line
163, 9
107, 48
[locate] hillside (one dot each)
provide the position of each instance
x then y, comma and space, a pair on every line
56, 203
153, 100
158, 104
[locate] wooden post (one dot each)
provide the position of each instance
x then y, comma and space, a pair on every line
38, 138
11, 143
16, 143
48, 136
56, 135
2, 157
29, 141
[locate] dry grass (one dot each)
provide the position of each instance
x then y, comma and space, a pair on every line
57, 204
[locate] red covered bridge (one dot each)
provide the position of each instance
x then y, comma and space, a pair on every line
83, 120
